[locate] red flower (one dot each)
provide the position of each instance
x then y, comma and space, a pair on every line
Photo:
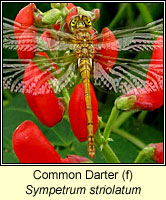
40, 97
31, 146
109, 48
158, 153
77, 112
149, 98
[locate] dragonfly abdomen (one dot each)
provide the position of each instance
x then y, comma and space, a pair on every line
85, 70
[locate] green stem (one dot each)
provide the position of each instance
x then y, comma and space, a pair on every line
107, 151
118, 16
144, 12
109, 154
110, 123
66, 96
142, 115
130, 14
146, 153
122, 118
129, 137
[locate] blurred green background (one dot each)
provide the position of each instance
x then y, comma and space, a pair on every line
148, 127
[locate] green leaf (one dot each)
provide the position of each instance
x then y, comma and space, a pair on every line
125, 150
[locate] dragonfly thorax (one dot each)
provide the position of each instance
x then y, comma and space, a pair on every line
84, 47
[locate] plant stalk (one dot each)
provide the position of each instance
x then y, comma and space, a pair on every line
144, 12
110, 123
107, 151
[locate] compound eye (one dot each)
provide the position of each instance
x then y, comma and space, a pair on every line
88, 22
73, 23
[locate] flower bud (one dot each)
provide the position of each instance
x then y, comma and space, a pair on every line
125, 102
52, 16
158, 153
58, 5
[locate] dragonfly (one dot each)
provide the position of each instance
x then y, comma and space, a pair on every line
79, 56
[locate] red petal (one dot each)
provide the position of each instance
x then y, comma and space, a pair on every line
109, 49
46, 36
40, 96
73, 12
26, 43
70, 6
149, 101
77, 112
31, 146
155, 71
74, 159
77, 159
57, 26
96, 14
24, 19
151, 97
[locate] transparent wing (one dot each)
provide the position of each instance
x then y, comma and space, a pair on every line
141, 38
118, 67
131, 40
40, 76
129, 76
29, 41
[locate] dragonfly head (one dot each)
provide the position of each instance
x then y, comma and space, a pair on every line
80, 21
